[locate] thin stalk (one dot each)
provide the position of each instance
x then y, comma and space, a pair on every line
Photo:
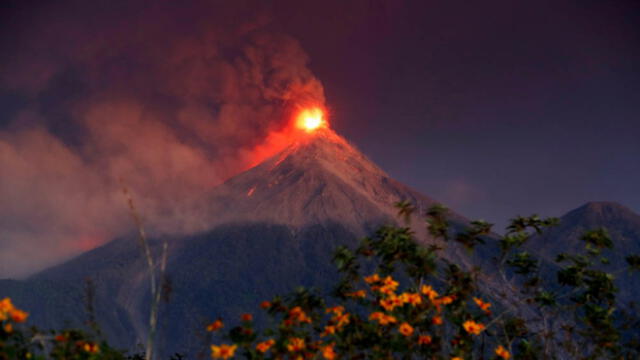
153, 279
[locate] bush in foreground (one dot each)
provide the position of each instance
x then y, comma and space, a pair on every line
397, 299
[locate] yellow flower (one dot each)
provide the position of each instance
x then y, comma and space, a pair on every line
295, 344
264, 346
473, 327
424, 339
91, 348
215, 326
328, 352
406, 329
223, 351
483, 305
502, 352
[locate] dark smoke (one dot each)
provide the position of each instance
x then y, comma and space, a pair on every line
172, 98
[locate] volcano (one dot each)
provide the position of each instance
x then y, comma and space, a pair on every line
319, 178
269, 229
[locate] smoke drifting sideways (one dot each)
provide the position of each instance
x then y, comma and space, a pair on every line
171, 99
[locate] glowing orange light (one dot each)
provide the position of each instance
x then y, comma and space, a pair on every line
311, 119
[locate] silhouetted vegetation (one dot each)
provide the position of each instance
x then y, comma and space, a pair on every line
400, 298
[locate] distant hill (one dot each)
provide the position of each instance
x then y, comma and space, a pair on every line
622, 224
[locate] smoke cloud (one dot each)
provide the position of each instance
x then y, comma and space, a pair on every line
167, 98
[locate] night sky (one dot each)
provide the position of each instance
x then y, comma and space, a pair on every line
495, 108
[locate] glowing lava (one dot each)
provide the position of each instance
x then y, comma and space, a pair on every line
311, 119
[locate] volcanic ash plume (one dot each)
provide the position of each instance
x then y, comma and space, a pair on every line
170, 99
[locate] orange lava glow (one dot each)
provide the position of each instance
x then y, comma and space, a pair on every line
305, 122
311, 119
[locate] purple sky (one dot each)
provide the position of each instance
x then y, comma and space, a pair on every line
495, 108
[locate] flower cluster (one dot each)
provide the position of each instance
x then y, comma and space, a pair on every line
410, 318
9, 313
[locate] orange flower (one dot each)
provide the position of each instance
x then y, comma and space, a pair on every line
215, 326
328, 352
414, 299
456, 358
424, 339
91, 348
5, 305
8, 328
388, 286
264, 346
387, 304
437, 320
223, 351
438, 302
406, 329
503, 353
382, 318
295, 344
473, 327
265, 304
428, 291
297, 314
247, 317
341, 320
445, 300
483, 305
357, 294
329, 330
338, 310
18, 316
60, 338
392, 302
372, 279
